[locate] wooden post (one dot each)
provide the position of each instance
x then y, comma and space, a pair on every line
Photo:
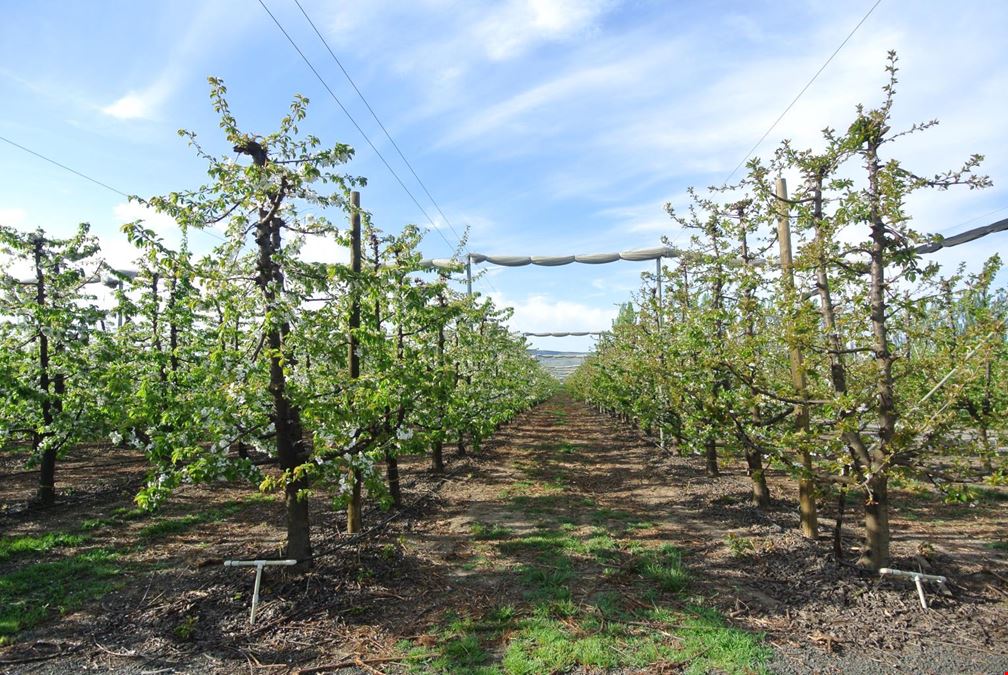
354, 507
658, 281
119, 314
806, 485
661, 353
437, 449
469, 275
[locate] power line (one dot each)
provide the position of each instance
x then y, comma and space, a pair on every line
64, 167
354, 122
486, 280
86, 177
804, 89
375, 116
976, 218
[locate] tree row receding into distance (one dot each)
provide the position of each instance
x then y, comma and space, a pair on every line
248, 363
841, 355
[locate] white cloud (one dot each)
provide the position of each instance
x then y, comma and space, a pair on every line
492, 30
646, 217
324, 250
540, 314
13, 217
209, 28
138, 105
562, 101
518, 25
162, 224
118, 252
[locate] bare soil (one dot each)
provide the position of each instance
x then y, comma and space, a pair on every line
178, 609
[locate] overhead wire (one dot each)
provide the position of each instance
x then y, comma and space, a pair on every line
803, 90
350, 117
64, 167
84, 176
381, 125
976, 218
374, 115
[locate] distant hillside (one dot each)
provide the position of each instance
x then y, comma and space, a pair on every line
559, 364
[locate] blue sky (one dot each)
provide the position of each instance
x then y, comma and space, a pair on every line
545, 126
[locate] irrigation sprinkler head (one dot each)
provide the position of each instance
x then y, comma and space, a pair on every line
259, 565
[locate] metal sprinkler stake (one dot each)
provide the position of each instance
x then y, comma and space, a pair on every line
259, 565
918, 579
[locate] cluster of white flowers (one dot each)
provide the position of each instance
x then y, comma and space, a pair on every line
345, 486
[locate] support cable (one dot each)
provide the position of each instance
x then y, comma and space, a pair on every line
64, 167
803, 90
375, 116
88, 178
346, 112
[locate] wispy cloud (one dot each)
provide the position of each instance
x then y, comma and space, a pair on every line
487, 30
513, 27
13, 217
540, 313
145, 103
162, 224
207, 30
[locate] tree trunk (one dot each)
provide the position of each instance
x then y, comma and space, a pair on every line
290, 447
717, 299
806, 485
988, 465
876, 502
710, 455
173, 331
392, 474
437, 456
753, 453
838, 525
47, 469
838, 371
355, 506
986, 409
437, 451
876, 553
754, 466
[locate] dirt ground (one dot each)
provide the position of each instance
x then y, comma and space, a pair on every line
368, 602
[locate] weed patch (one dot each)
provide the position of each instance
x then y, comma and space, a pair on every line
15, 546
489, 531
32, 593
167, 526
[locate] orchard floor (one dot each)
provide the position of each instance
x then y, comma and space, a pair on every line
568, 544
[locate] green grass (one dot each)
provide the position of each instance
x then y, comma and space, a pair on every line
164, 527
640, 525
556, 631
999, 545
36, 591
96, 523
567, 448
665, 568
739, 546
33, 593
125, 513
489, 531
604, 515
709, 644
547, 504
14, 546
